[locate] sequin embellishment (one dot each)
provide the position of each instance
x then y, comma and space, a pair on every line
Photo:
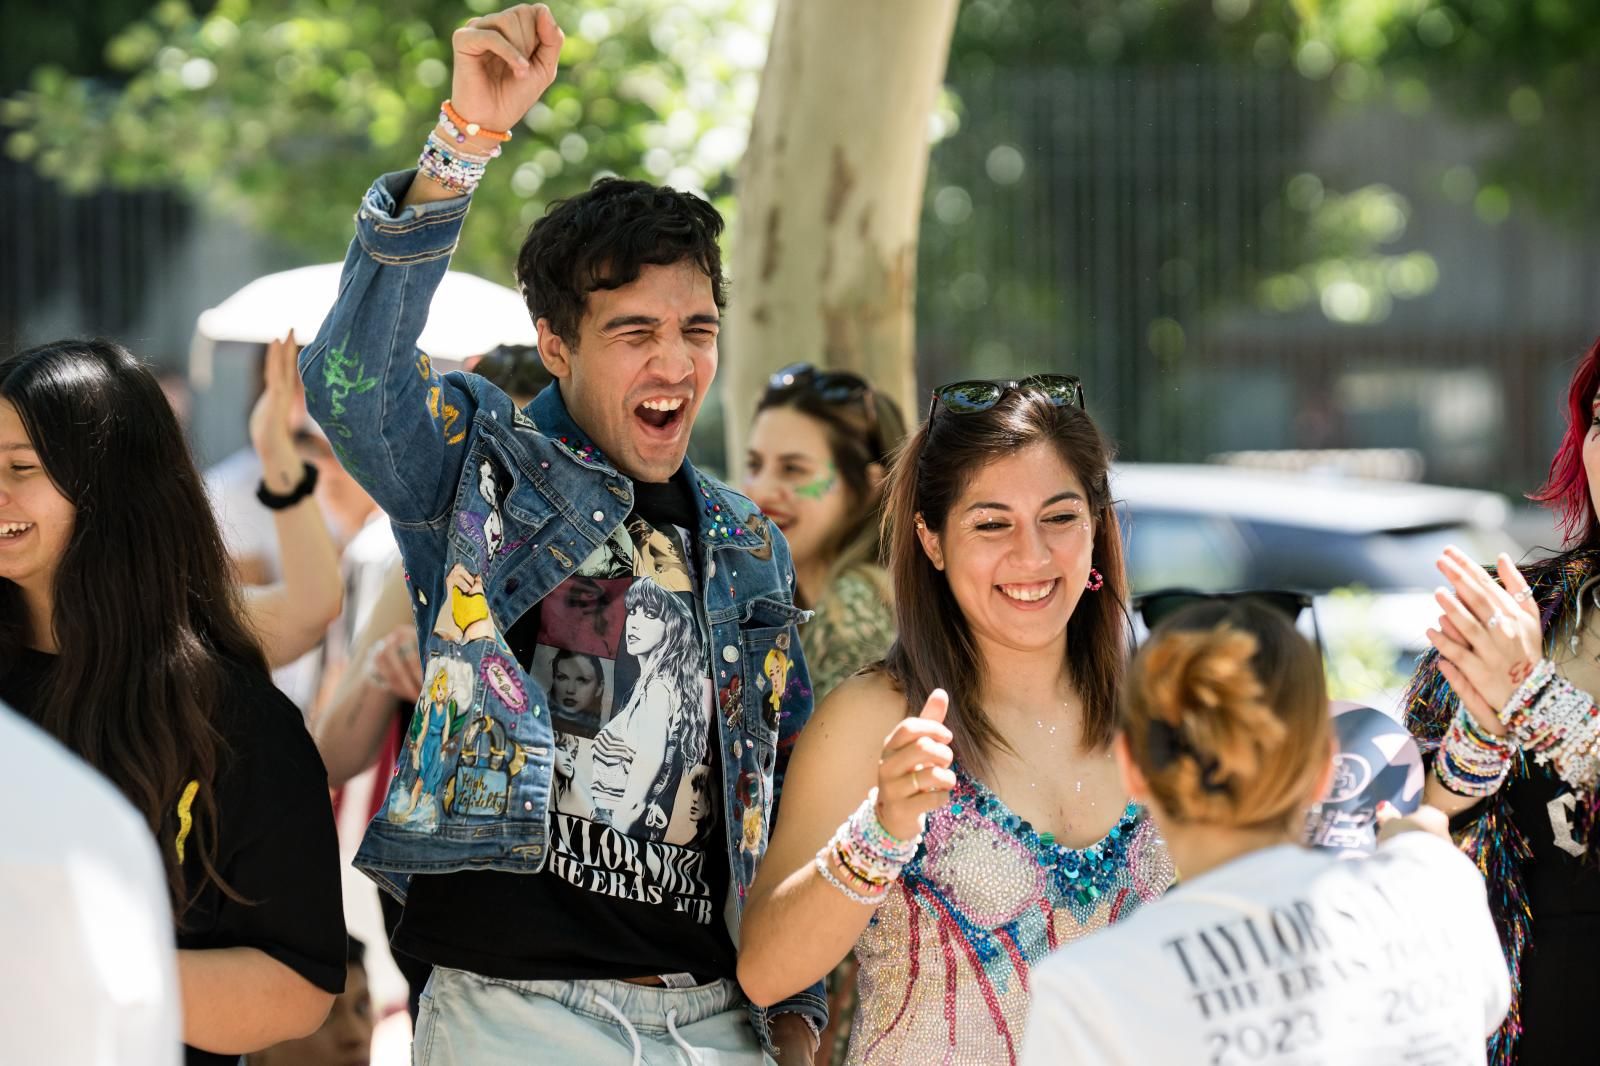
945, 961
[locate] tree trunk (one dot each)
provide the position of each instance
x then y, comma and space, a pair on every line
830, 197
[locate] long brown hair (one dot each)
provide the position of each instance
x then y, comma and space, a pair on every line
1226, 715
935, 648
145, 610
860, 432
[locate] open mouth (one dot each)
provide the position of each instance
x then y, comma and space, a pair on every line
1032, 594
13, 530
662, 415
782, 521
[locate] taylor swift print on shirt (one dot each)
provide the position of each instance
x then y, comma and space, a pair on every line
623, 657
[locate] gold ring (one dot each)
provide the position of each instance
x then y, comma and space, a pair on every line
914, 782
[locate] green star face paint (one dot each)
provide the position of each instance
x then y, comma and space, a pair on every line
820, 487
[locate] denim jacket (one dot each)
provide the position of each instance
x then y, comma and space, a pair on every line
433, 450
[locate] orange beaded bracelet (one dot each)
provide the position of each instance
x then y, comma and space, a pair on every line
471, 129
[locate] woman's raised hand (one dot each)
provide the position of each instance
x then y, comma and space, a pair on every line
1489, 637
503, 63
914, 774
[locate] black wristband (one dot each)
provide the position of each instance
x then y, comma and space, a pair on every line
272, 501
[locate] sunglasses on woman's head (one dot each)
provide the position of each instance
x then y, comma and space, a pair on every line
971, 397
834, 386
1154, 608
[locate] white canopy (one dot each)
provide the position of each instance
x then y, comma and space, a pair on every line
469, 315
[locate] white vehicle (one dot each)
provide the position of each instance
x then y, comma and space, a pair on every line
1216, 528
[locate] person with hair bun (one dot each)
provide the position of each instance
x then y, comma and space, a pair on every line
1267, 951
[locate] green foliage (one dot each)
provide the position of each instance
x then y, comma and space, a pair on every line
283, 111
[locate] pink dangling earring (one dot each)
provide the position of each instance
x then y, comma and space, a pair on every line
1095, 582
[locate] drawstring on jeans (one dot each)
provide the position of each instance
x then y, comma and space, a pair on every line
672, 1031
633, 1034
638, 1049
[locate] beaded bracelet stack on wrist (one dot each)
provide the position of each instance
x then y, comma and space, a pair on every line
1557, 724
446, 160
864, 859
1472, 761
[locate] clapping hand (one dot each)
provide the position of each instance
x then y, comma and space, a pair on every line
1489, 637
272, 420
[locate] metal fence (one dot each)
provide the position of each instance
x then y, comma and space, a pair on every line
79, 263
1117, 225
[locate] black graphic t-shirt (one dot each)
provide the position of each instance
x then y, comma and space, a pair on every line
636, 876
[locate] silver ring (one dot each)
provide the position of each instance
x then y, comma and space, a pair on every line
1523, 595
1495, 620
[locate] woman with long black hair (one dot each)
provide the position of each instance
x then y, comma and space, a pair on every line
121, 633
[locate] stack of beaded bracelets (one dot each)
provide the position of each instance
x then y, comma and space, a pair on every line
867, 854
1557, 724
1471, 761
448, 163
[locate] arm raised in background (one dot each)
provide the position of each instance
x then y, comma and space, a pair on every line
393, 421
385, 666
290, 617
797, 926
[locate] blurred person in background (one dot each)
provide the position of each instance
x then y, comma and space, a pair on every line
291, 615
91, 976
1504, 709
991, 823
345, 1039
122, 635
1268, 951
818, 458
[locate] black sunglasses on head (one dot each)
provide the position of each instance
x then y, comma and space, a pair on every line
1156, 607
971, 397
834, 386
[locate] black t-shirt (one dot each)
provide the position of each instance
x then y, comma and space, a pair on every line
1560, 977
638, 872
276, 844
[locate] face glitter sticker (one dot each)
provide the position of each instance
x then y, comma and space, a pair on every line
820, 486
501, 679
464, 616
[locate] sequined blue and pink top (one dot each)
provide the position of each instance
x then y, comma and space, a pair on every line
944, 964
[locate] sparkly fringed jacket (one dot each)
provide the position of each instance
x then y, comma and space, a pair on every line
1492, 839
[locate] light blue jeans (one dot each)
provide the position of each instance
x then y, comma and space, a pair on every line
469, 1020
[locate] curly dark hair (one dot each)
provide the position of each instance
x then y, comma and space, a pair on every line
600, 239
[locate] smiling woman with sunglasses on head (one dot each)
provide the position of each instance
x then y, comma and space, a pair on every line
819, 452
1268, 952
990, 825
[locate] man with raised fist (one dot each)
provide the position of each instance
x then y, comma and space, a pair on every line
589, 606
